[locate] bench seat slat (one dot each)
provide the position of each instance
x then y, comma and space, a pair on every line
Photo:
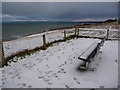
88, 52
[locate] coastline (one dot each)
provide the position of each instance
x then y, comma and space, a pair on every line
98, 25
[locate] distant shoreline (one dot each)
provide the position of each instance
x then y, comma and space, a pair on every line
54, 22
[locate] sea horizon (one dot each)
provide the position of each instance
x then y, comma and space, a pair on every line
14, 30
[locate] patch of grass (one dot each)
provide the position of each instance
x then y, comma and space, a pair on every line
20, 54
71, 37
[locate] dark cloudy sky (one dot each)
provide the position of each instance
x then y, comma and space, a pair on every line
59, 11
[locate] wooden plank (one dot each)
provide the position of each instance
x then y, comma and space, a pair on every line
85, 55
1, 54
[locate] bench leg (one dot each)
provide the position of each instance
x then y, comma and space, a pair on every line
85, 64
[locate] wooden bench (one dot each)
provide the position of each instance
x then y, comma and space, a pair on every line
90, 53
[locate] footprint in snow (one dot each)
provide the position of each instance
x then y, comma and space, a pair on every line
102, 86
116, 61
19, 77
67, 86
47, 66
62, 64
76, 80
46, 59
65, 62
58, 57
23, 84
50, 83
61, 71
3, 79
100, 58
50, 54
40, 77
38, 59
48, 72
73, 57
24, 65
29, 86
10, 72
69, 61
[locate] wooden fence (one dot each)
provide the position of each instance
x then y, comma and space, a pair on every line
11, 47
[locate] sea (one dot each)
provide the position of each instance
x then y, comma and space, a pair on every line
11, 31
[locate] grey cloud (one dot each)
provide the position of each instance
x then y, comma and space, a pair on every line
61, 10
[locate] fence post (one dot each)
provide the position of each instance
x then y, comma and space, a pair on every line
107, 33
44, 42
75, 31
64, 34
2, 55
78, 32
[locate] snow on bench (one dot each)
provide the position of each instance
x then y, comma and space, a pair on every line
85, 56
90, 53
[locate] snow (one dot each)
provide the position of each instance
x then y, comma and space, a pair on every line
0, 78
57, 35
57, 67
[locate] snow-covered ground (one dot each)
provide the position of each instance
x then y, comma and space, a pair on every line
33, 41
57, 67
0, 78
